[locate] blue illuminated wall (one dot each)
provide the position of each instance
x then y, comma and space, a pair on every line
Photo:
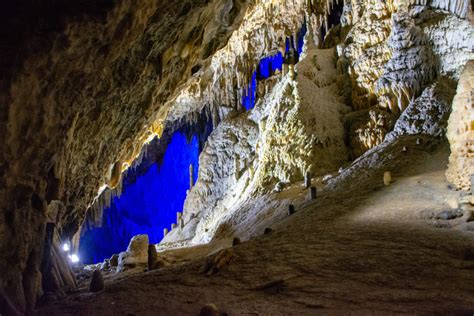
268, 65
149, 201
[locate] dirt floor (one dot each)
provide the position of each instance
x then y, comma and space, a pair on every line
359, 248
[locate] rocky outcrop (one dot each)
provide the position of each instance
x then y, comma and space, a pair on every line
136, 256
461, 132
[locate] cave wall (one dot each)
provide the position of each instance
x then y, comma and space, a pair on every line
83, 102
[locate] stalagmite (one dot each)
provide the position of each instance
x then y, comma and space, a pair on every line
236, 241
291, 209
387, 178
312, 193
191, 176
97, 282
307, 179
267, 231
179, 215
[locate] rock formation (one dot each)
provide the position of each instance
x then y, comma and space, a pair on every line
136, 256
461, 132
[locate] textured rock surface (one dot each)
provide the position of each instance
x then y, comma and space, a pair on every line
461, 132
78, 109
136, 255
97, 282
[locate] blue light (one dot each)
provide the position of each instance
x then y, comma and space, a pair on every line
147, 205
269, 65
248, 99
300, 37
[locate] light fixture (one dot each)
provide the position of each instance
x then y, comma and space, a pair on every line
66, 246
74, 258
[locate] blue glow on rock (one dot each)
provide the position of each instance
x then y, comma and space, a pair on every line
269, 65
148, 204
250, 94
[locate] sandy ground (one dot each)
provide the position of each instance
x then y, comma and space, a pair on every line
359, 248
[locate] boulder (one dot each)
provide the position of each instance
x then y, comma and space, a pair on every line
209, 310
136, 255
97, 282
153, 261
113, 261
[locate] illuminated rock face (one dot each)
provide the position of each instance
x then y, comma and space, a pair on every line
146, 205
461, 132
81, 108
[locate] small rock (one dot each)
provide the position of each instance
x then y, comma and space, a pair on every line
236, 241
312, 193
449, 214
209, 310
291, 209
467, 207
326, 178
216, 262
469, 216
105, 265
268, 231
113, 261
467, 199
307, 180
97, 282
452, 202
152, 257
404, 149
278, 187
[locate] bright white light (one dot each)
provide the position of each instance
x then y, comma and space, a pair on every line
74, 258
66, 247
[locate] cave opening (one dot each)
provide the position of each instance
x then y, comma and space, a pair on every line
267, 66
153, 191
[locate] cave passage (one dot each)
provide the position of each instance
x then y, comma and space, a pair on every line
151, 197
270, 64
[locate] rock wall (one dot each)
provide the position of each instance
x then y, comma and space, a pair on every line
81, 105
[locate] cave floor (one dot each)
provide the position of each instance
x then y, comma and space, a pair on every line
360, 248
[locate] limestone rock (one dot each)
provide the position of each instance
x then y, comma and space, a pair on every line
216, 262
113, 261
97, 281
136, 255
461, 132
449, 214
209, 310
154, 262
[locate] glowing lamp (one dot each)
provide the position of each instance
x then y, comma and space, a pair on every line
66, 247
74, 258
